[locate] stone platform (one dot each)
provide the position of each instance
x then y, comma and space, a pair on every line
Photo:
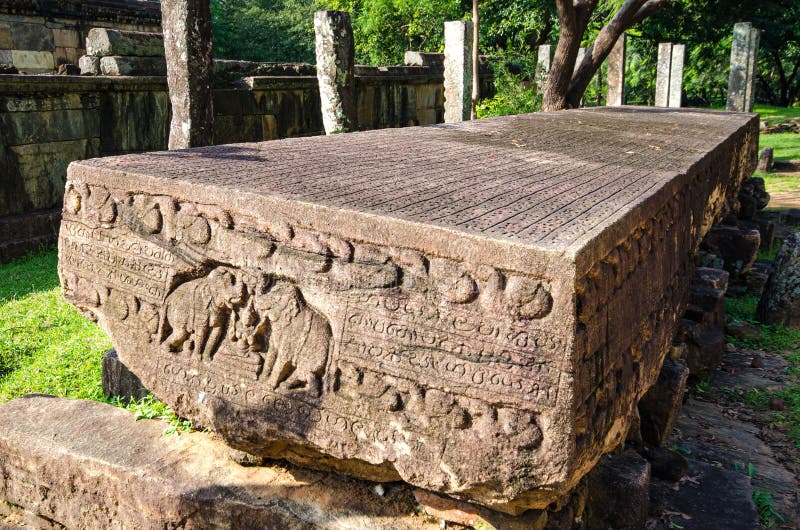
410, 304
83, 464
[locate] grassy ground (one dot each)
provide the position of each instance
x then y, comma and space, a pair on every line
46, 346
776, 339
786, 147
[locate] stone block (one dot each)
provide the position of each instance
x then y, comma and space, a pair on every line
83, 464
121, 129
32, 37
103, 42
24, 128
435, 60
67, 38
618, 493
780, 303
89, 65
33, 61
25, 233
737, 247
67, 55
118, 381
396, 317
660, 406
704, 349
472, 516
114, 65
6, 42
42, 168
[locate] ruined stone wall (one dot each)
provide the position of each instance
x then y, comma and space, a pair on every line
38, 35
49, 121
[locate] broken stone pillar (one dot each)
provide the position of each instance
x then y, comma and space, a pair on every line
543, 59
659, 407
663, 69
457, 70
615, 95
780, 303
410, 329
765, 160
676, 76
744, 60
335, 50
187, 47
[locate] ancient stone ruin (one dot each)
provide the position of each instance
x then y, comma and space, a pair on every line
473, 309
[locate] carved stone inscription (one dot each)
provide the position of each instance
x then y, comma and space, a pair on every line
265, 330
446, 347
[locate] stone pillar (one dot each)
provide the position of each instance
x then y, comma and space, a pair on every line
676, 76
615, 96
187, 46
335, 60
543, 58
581, 55
662, 74
752, 66
457, 70
744, 58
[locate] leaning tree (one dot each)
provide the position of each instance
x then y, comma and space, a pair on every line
566, 83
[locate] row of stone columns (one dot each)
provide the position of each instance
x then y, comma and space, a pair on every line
187, 46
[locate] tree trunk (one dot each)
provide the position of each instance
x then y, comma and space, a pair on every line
566, 84
569, 41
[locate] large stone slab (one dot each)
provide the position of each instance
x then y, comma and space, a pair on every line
83, 464
410, 304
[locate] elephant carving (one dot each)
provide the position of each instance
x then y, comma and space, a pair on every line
299, 339
196, 314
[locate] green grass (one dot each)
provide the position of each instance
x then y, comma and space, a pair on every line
773, 115
775, 182
776, 339
46, 346
786, 146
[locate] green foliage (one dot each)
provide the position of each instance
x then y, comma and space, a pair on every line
264, 30
385, 29
46, 346
150, 408
767, 514
515, 93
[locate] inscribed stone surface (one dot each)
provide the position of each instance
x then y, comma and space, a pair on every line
411, 303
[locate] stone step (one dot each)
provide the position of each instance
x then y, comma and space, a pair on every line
84, 464
707, 497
